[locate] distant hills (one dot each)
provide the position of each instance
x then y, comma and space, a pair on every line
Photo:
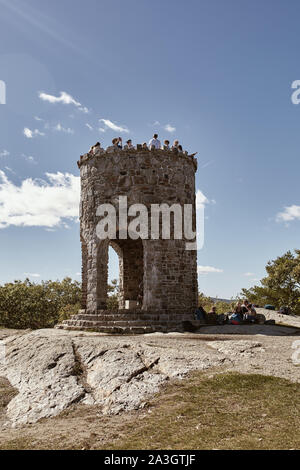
217, 299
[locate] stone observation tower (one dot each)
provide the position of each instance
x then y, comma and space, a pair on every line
158, 277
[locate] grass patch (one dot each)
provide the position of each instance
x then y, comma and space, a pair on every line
228, 411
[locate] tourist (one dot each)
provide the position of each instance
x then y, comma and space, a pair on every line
128, 145
244, 306
96, 149
180, 148
154, 143
175, 145
250, 315
237, 317
144, 145
166, 145
120, 144
201, 314
114, 146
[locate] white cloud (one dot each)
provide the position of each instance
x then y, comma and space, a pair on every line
10, 169
170, 128
64, 98
60, 128
29, 158
208, 269
38, 118
89, 127
32, 274
39, 203
101, 129
30, 134
84, 109
4, 153
249, 274
289, 214
113, 126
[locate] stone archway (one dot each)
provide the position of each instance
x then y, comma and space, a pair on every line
131, 271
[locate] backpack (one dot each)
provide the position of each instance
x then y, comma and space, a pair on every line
236, 319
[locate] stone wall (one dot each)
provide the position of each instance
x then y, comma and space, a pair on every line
167, 270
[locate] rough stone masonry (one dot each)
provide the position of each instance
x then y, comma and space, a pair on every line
161, 273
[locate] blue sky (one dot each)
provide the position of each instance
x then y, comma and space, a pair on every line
218, 72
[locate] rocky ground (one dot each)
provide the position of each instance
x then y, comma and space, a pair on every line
53, 370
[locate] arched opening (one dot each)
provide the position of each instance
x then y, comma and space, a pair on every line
113, 292
130, 256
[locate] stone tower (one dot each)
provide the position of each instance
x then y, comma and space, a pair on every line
158, 277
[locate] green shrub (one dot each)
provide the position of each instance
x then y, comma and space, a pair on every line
24, 304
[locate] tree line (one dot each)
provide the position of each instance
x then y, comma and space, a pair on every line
26, 304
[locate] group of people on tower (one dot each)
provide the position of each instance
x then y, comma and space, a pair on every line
153, 144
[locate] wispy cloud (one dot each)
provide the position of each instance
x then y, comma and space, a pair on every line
289, 214
169, 128
38, 118
208, 270
44, 23
249, 274
154, 124
29, 158
29, 134
113, 126
32, 274
60, 128
64, 98
39, 203
89, 127
4, 153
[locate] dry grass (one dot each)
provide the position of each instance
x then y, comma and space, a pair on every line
228, 411
224, 411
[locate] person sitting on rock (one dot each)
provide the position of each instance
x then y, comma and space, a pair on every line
128, 145
237, 317
154, 143
144, 145
180, 149
120, 144
166, 145
250, 316
212, 316
244, 306
201, 314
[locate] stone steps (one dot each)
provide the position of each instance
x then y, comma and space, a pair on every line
121, 323
131, 318
124, 322
134, 330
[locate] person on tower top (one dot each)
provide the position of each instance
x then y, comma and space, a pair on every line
128, 145
154, 142
166, 145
